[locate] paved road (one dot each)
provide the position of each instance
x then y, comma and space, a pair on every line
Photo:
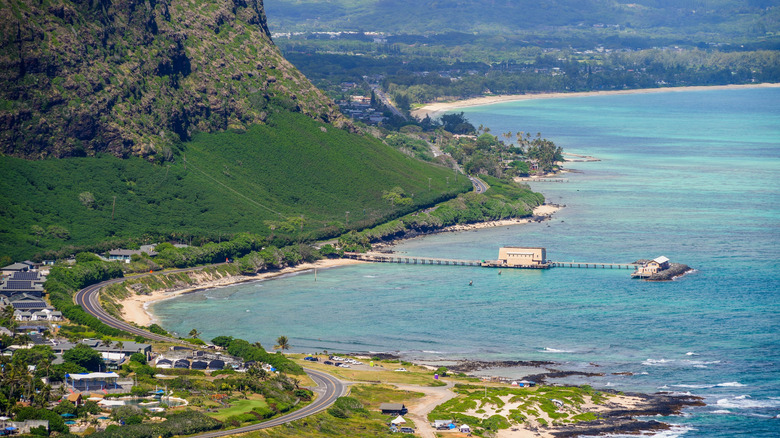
328, 387
88, 299
479, 185
386, 102
328, 390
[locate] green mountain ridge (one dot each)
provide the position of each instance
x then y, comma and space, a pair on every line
81, 77
715, 20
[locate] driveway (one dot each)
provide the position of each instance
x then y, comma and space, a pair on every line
420, 408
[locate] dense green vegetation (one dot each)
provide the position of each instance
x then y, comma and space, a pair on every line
293, 178
443, 69
503, 200
255, 352
63, 282
527, 403
735, 19
425, 51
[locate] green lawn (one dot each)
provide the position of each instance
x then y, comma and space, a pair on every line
238, 407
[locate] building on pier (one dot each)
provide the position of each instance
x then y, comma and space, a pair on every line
522, 257
652, 267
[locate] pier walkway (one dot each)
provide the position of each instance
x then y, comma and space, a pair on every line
418, 260
592, 265
413, 260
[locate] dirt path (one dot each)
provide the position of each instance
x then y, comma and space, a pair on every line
419, 409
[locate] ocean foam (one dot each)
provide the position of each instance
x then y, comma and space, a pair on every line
555, 350
727, 384
746, 402
704, 386
674, 432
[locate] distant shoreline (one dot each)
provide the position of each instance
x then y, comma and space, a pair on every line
438, 107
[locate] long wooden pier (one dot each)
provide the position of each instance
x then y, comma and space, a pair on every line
414, 260
418, 260
591, 265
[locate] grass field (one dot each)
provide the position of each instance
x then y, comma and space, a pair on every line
239, 406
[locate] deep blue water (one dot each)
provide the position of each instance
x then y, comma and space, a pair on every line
691, 175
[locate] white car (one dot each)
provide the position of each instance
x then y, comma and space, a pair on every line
401, 369
344, 365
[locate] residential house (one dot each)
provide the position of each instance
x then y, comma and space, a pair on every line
652, 267
393, 409
16, 267
30, 283
27, 302
125, 255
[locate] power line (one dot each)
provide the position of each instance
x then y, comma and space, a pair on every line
234, 191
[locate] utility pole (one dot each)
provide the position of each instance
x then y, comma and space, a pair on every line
113, 208
347, 219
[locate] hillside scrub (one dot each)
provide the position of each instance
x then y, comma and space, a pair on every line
288, 180
505, 199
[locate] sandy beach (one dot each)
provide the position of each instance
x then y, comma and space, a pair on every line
545, 211
135, 308
434, 108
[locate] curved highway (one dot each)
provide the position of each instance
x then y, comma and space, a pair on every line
479, 185
328, 387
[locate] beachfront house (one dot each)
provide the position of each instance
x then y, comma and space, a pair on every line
522, 257
652, 267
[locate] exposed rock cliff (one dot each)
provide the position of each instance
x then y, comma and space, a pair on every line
136, 76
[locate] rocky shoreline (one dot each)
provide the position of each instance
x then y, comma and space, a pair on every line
620, 420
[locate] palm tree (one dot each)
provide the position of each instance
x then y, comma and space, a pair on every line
194, 333
282, 343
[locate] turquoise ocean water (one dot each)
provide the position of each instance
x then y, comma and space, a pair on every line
694, 176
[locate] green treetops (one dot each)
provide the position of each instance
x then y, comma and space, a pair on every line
84, 356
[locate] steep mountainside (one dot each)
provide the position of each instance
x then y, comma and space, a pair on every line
135, 77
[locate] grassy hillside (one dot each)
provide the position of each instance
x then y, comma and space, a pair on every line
261, 180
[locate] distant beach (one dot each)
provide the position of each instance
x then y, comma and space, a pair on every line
438, 107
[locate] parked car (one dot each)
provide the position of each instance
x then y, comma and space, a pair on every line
407, 430
401, 369
327, 362
310, 358
344, 365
